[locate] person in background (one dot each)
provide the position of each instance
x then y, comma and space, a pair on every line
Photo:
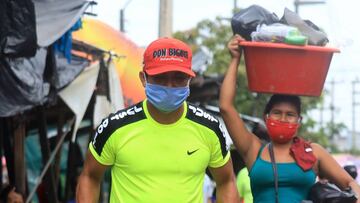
298, 162
243, 185
9, 195
158, 150
208, 189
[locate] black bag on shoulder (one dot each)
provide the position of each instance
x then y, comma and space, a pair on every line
328, 193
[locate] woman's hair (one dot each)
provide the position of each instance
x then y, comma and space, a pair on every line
281, 98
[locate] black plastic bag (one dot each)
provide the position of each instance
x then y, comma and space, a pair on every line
17, 28
22, 83
328, 193
2, 27
246, 21
306, 27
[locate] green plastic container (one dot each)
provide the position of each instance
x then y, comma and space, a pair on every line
296, 40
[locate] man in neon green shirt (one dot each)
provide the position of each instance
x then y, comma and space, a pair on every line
159, 149
243, 185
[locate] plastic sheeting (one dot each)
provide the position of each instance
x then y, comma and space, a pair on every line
245, 21
103, 107
21, 83
307, 28
17, 28
67, 72
115, 89
78, 94
25, 24
54, 18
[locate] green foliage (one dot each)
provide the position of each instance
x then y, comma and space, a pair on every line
215, 35
317, 136
355, 152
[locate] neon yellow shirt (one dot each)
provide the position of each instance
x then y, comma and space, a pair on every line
243, 185
155, 163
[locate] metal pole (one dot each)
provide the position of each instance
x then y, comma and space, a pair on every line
332, 109
354, 104
298, 3
165, 18
122, 20
321, 114
122, 16
353, 114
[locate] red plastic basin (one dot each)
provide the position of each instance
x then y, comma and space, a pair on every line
286, 69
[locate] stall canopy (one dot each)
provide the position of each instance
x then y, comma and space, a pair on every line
26, 82
27, 23
17, 28
129, 60
54, 18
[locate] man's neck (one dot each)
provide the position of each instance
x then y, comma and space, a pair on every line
162, 117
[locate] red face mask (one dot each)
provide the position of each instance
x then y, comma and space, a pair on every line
281, 132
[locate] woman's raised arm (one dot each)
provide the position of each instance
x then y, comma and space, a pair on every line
245, 142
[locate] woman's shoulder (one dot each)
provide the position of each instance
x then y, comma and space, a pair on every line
318, 150
315, 145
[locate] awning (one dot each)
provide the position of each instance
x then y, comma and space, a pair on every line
54, 18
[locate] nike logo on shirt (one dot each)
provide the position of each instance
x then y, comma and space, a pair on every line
191, 152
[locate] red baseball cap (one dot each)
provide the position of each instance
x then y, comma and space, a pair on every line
168, 54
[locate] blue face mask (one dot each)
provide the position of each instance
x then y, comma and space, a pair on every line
166, 99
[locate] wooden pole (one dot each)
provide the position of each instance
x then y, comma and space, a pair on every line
8, 149
1, 149
60, 125
19, 154
49, 179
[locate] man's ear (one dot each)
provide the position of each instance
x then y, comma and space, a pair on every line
142, 78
